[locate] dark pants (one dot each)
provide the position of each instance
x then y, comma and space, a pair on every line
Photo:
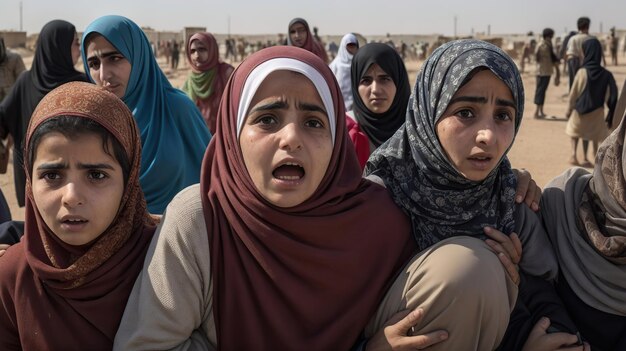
573, 64
540, 91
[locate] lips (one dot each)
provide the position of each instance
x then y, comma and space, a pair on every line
289, 171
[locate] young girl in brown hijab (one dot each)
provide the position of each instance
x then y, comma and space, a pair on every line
65, 285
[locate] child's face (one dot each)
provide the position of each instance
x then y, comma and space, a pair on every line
77, 187
478, 126
286, 141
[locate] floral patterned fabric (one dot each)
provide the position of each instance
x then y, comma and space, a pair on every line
414, 167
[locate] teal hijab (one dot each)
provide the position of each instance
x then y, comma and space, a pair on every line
173, 133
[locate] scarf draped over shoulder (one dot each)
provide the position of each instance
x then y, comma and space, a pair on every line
585, 216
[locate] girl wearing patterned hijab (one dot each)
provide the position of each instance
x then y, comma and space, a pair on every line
585, 215
380, 90
299, 35
208, 76
447, 166
56, 53
173, 133
87, 230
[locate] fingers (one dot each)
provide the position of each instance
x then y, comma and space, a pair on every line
424, 341
527, 190
3, 249
509, 245
553, 341
510, 268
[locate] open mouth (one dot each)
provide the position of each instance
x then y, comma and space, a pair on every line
289, 171
74, 221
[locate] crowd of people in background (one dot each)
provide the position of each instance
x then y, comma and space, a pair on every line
299, 192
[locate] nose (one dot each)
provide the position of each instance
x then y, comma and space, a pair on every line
486, 134
105, 73
290, 138
72, 195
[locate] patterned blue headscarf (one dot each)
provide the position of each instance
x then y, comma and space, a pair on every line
173, 133
441, 202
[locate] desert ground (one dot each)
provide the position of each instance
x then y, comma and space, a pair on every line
541, 145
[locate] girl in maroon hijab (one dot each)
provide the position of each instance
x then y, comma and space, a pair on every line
87, 230
208, 76
281, 245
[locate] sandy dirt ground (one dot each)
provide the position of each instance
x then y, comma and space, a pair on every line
541, 146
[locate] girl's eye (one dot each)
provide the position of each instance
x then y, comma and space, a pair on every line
97, 175
50, 176
266, 120
366, 81
504, 116
465, 113
95, 65
314, 123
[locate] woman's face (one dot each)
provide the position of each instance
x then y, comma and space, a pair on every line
376, 89
298, 34
478, 126
107, 66
75, 49
199, 53
285, 140
76, 185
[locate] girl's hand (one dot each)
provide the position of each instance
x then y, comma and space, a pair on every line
3, 248
509, 250
540, 340
527, 189
396, 335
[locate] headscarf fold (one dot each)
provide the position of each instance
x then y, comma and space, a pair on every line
341, 66
206, 82
312, 274
441, 202
173, 133
598, 80
86, 287
311, 44
380, 126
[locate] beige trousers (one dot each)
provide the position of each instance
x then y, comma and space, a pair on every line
463, 289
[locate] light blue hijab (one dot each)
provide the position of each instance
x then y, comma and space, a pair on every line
173, 133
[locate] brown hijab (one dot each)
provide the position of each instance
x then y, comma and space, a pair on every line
309, 275
206, 82
311, 44
73, 297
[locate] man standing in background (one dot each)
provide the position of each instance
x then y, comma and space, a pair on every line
547, 61
574, 54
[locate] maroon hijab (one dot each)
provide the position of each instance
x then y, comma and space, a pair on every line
207, 100
60, 296
311, 44
307, 276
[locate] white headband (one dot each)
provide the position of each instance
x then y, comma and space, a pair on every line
258, 75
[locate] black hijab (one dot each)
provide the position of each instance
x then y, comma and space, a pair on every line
380, 126
598, 79
52, 65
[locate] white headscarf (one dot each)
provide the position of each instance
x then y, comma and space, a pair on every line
341, 68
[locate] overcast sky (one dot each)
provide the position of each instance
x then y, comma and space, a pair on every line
331, 16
